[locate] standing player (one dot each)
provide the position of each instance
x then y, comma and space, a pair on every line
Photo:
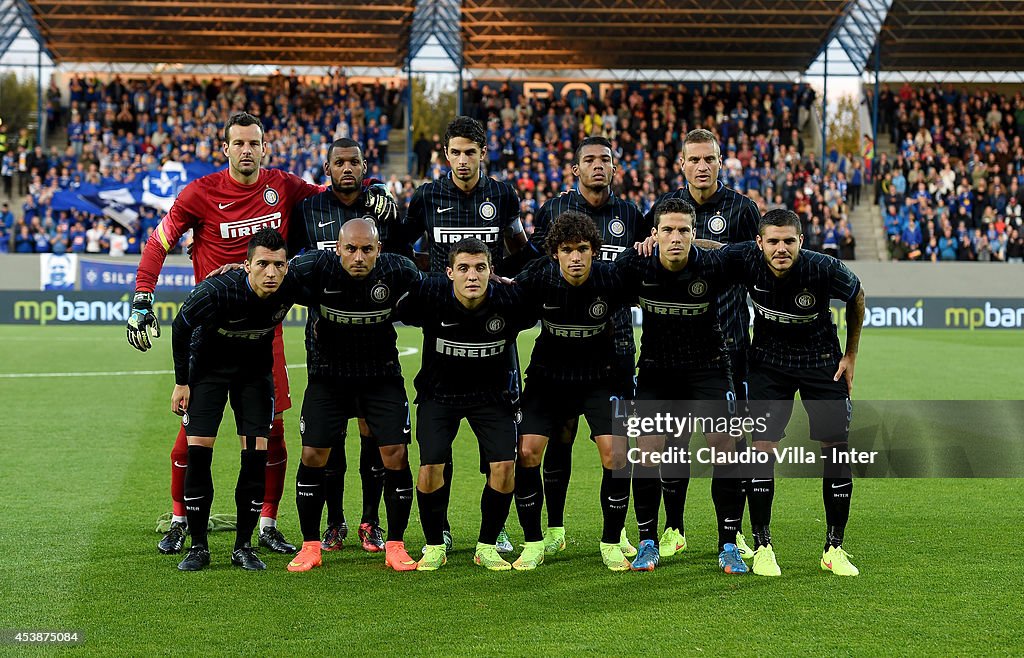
682, 358
468, 329
467, 204
223, 347
322, 217
223, 210
796, 348
620, 225
354, 371
574, 370
722, 215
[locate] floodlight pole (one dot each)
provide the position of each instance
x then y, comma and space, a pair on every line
408, 116
824, 113
874, 110
39, 95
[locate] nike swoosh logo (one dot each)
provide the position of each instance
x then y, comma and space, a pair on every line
449, 324
277, 463
256, 502
237, 321
181, 465
331, 292
761, 289
441, 211
406, 430
528, 497
839, 486
551, 308
401, 490
730, 520
646, 522
649, 285
618, 500
306, 485
222, 206
755, 481
323, 224
193, 498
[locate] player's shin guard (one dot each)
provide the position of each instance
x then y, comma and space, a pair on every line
276, 469
742, 484
557, 471
646, 500
334, 483
397, 501
760, 495
309, 500
836, 492
179, 460
371, 474
614, 503
727, 496
432, 512
249, 493
494, 508
529, 496
675, 480
446, 492
198, 493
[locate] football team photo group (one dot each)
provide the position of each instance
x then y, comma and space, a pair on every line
459, 265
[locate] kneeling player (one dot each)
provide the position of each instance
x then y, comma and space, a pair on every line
796, 348
683, 359
354, 371
468, 329
574, 371
223, 349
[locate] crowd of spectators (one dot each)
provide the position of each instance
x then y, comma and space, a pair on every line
953, 188
120, 130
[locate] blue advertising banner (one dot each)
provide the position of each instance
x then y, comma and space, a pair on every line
107, 275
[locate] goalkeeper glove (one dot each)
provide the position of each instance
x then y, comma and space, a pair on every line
142, 323
378, 200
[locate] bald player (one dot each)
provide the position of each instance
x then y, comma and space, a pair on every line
354, 372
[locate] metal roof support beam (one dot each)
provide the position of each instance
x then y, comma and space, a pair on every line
17, 16
858, 29
635, 75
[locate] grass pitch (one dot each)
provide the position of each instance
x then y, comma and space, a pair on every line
84, 474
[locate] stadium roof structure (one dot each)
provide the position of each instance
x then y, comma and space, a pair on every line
228, 32
939, 35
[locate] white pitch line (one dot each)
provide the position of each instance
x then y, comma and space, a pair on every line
402, 351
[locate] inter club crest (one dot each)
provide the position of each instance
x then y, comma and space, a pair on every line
598, 309
617, 227
805, 300
379, 292
270, 196
487, 211
698, 288
495, 324
716, 224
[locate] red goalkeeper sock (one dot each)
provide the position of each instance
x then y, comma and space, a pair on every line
277, 465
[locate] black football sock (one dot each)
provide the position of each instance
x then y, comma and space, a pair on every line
432, 509
252, 479
309, 499
761, 495
371, 474
646, 500
675, 480
529, 496
837, 493
397, 501
614, 503
198, 493
494, 508
446, 493
334, 483
728, 499
557, 471
743, 485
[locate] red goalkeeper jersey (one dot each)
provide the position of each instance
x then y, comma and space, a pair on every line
223, 215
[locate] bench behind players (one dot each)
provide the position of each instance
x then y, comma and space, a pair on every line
223, 350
